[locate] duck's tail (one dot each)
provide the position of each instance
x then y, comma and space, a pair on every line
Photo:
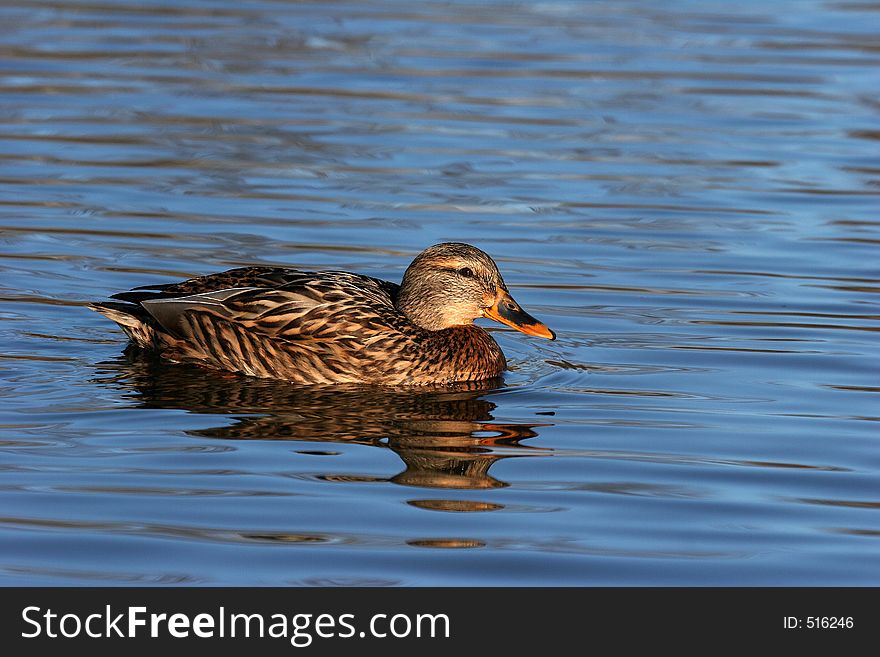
132, 318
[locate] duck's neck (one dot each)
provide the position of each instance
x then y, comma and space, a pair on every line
424, 306
421, 312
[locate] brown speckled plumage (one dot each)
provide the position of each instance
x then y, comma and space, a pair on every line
332, 327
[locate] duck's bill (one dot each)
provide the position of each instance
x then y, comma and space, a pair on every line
507, 311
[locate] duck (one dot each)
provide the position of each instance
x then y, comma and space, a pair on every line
333, 327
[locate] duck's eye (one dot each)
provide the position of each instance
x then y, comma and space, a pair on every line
467, 272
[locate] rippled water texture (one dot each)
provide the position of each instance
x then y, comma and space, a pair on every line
686, 192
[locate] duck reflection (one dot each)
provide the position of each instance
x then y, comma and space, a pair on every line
444, 436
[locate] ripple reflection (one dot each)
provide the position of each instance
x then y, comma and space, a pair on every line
446, 437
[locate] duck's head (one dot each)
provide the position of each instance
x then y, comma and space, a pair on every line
453, 284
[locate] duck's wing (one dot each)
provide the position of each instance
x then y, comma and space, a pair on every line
282, 304
242, 277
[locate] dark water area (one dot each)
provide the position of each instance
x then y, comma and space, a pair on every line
687, 193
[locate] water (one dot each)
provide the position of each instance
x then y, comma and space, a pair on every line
686, 193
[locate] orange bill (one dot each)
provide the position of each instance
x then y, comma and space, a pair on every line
507, 311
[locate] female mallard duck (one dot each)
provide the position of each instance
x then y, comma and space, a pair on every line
333, 327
